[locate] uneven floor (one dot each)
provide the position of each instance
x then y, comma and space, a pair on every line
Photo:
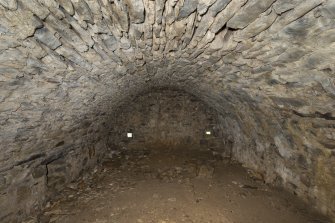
170, 186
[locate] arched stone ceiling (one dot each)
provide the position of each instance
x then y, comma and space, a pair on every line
266, 65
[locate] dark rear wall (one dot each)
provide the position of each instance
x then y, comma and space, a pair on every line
166, 119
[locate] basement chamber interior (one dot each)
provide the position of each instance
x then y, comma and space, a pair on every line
167, 111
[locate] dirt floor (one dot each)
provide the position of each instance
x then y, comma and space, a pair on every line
171, 186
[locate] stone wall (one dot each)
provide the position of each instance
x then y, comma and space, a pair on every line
165, 119
267, 66
36, 170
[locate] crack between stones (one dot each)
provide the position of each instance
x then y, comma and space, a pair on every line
326, 116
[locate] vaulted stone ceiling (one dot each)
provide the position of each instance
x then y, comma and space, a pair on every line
266, 65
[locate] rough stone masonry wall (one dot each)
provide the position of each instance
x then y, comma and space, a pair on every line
266, 65
166, 119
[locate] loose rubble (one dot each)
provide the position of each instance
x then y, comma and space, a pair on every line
191, 187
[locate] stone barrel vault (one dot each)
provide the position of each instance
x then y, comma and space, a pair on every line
266, 66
